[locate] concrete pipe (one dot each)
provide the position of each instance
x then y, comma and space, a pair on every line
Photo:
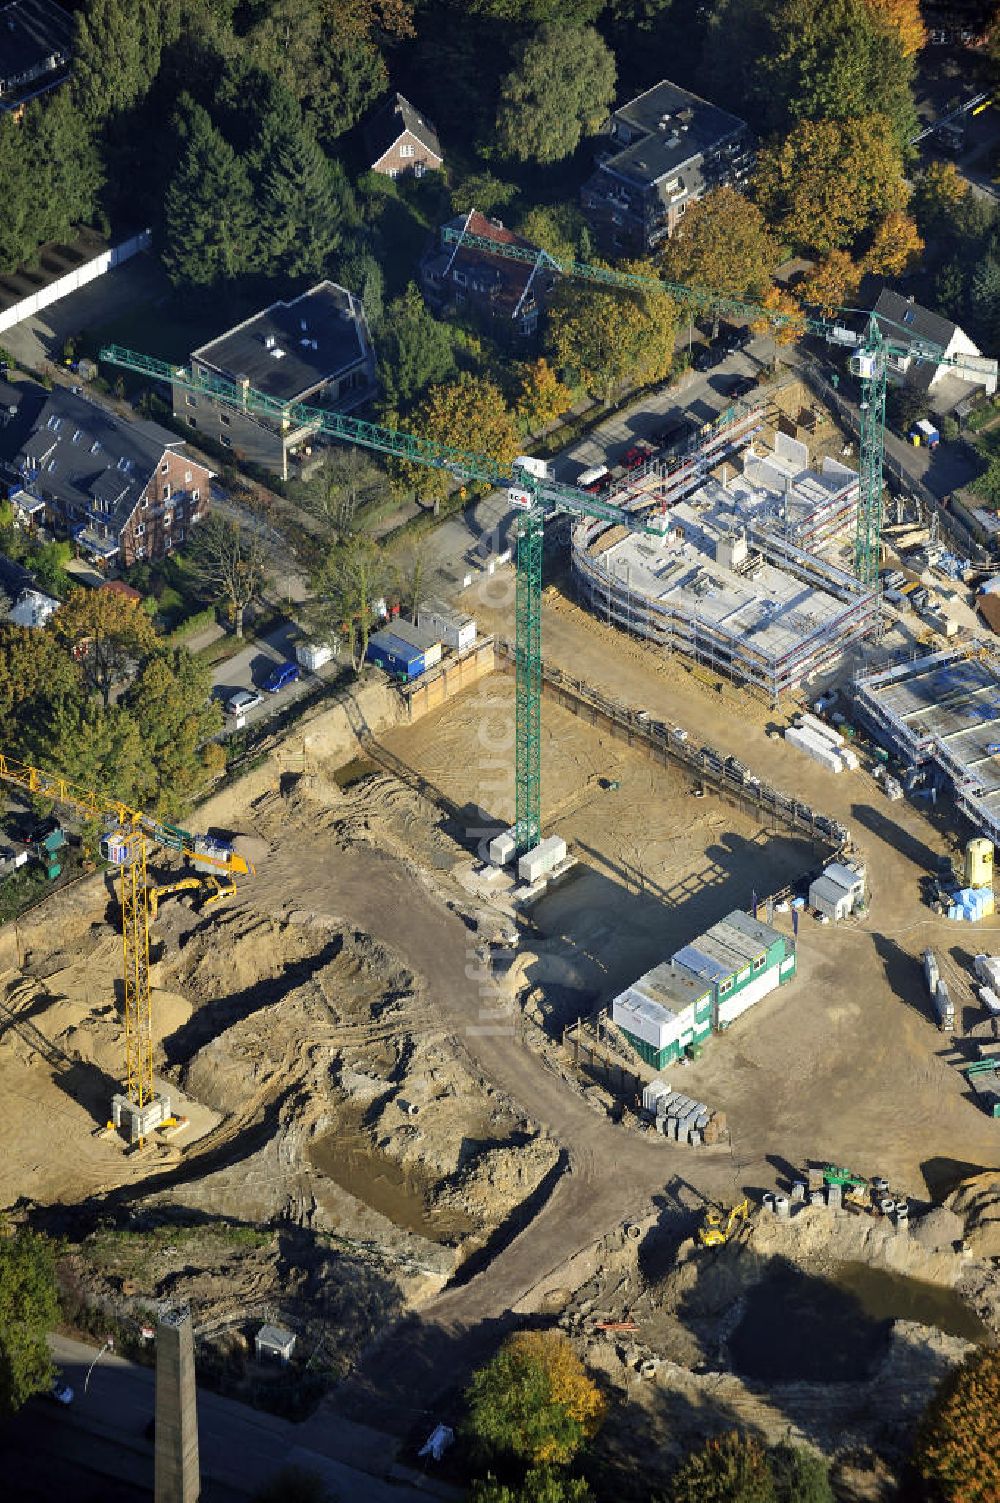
902, 1210
769, 1199
409, 1108
799, 1190
886, 1206
816, 1198
633, 1232
783, 1206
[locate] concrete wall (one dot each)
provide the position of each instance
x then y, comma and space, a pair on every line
450, 677
73, 280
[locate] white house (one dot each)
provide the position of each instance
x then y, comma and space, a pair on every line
906, 322
838, 891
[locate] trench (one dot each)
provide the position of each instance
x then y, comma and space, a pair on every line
403, 1194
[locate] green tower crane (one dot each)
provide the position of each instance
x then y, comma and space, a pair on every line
530, 489
871, 349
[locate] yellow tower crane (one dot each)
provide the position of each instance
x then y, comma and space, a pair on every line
127, 835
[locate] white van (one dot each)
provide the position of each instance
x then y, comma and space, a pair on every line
593, 480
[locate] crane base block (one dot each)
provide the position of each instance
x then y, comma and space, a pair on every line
137, 1122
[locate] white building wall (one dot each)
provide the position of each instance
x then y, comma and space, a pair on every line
733, 1006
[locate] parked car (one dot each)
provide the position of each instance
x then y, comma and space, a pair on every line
243, 700
281, 676
637, 455
705, 358
743, 385
733, 339
61, 1391
673, 436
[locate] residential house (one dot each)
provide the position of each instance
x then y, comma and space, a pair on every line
36, 46
507, 295
315, 350
907, 323
663, 151
401, 142
123, 491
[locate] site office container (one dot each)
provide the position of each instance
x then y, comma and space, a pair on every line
399, 658
423, 640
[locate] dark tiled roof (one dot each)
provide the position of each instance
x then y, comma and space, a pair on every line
13, 578
319, 336
31, 33
899, 316
388, 124
76, 452
669, 127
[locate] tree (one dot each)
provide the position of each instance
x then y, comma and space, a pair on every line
723, 245
230, 559
355, 76
984, 298
110, 636
96, 747
29, 1308
732, 1469
116, 55
896, 246
956, 1454
534, 1400
416, 350
605, 336
305, 203
938, 192
482, 191
904, 18
559, 229
540, 1485
35, 673
209, 215
348, 481
350, 581
542, 398
831, 283
787, 325
823, 184
175, 719
800, 1476
469, 414
558, 90
836, 61
410, 575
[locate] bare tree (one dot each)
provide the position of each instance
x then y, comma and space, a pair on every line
231, 559
346, 484
411, 574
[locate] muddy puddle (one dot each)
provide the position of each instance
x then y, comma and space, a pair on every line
348, 1157
797, 1327
354, 771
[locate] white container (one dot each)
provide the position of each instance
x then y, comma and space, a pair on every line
652, 1092
312, 655
501, 848
541, 859
454, 628
849, 757
644, 1019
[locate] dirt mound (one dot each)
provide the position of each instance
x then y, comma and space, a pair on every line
977, 1202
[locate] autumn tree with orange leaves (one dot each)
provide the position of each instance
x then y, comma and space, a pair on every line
895, 248
831, 283
957, 1457
533, 1401
904, 18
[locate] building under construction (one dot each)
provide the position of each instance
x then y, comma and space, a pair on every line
940, 714
744, 577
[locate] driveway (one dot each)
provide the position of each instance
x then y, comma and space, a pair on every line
249, 669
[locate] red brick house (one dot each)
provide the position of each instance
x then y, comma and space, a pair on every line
123, 491
401, 142
507, 295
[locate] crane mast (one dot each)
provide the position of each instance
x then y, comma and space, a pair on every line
128, 834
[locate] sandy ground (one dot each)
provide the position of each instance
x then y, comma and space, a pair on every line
337, 1019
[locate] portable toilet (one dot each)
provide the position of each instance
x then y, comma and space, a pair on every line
979, 862
924, 432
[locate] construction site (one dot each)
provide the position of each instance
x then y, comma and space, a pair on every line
750, 575
545, 978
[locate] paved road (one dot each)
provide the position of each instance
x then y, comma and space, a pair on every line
52, 1451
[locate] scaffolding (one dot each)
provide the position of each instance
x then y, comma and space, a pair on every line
738, 580
940, 714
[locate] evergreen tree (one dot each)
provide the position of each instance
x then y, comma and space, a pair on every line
306, 201
65, 164
18, 237
984, 299
416, 350
208, 209
117, 53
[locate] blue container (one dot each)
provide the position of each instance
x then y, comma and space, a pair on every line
397, 657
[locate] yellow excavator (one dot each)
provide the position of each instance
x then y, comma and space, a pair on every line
720, 1225
213, 888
